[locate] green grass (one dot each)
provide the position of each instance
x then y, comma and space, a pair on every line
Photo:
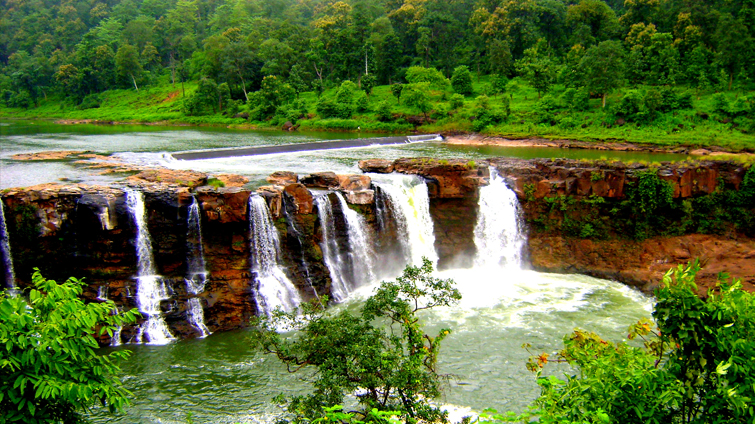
162, 103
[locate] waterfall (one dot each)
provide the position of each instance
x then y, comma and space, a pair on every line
498, 235
274, 289
150, 288
409, 207
102, 292
196, 274
350, 261
5, 254
295, 229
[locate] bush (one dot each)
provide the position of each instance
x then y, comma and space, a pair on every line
461, 81
457, 101
49, 370
383, 112
696, 368
382, 353
576, 99
91, 101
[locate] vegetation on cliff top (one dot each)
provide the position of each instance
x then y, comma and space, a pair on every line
668, 72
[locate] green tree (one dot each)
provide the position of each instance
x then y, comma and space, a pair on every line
538, 68
461, 81
127, 64
383, 352
396, 90
432, 76
696, 368
602, 68
49, 369
416, 96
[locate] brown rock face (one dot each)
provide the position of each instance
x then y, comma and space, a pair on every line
549, 178
274, 197
301, 199
224, 205
321, 180
446, 179
232, 180
170, 176
643, 263
360, 197
378, 166
354, 182
283, 178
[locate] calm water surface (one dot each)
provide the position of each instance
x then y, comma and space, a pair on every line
151, 145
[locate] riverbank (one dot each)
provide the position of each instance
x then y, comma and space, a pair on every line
515, 115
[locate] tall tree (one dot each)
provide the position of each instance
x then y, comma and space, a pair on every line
602, 68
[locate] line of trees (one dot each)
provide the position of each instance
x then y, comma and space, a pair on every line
80, 48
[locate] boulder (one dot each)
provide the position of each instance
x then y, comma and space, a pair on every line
360, 197
273, 195
321, 180
283, 178
232, 180
378, 166
223, 205
354, 182
300, 197
171, 176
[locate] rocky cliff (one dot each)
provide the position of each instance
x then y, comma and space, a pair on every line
595, 218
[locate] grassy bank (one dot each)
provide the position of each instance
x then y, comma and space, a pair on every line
680, 118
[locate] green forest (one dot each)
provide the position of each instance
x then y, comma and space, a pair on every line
659, 71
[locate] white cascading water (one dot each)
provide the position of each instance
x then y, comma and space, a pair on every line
498, 235
196, 274
411, 202
150, 288
7, 258
102, 292
274, 289
360, 242
350, 266
336, 257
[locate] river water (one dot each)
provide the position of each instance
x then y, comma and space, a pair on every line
220, 379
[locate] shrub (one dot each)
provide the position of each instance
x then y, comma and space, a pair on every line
391, 363
457, 101
461, 81
696, 368
49, 370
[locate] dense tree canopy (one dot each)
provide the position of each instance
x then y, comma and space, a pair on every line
85, 48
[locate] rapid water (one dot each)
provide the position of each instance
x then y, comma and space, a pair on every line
408, 203
150, 288
220, 379
5, 253
499, 232
273, 288
196, 272
335, 255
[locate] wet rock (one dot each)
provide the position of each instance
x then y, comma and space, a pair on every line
360, 197
274, 197
224, 205
283, 178
321, 180
378, 166
354, 182
54, 155
171, 176
301, 198
231, 180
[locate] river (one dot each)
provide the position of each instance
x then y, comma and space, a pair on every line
221, 379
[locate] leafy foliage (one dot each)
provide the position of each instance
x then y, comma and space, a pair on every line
49, 370
697, 367
382, 353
